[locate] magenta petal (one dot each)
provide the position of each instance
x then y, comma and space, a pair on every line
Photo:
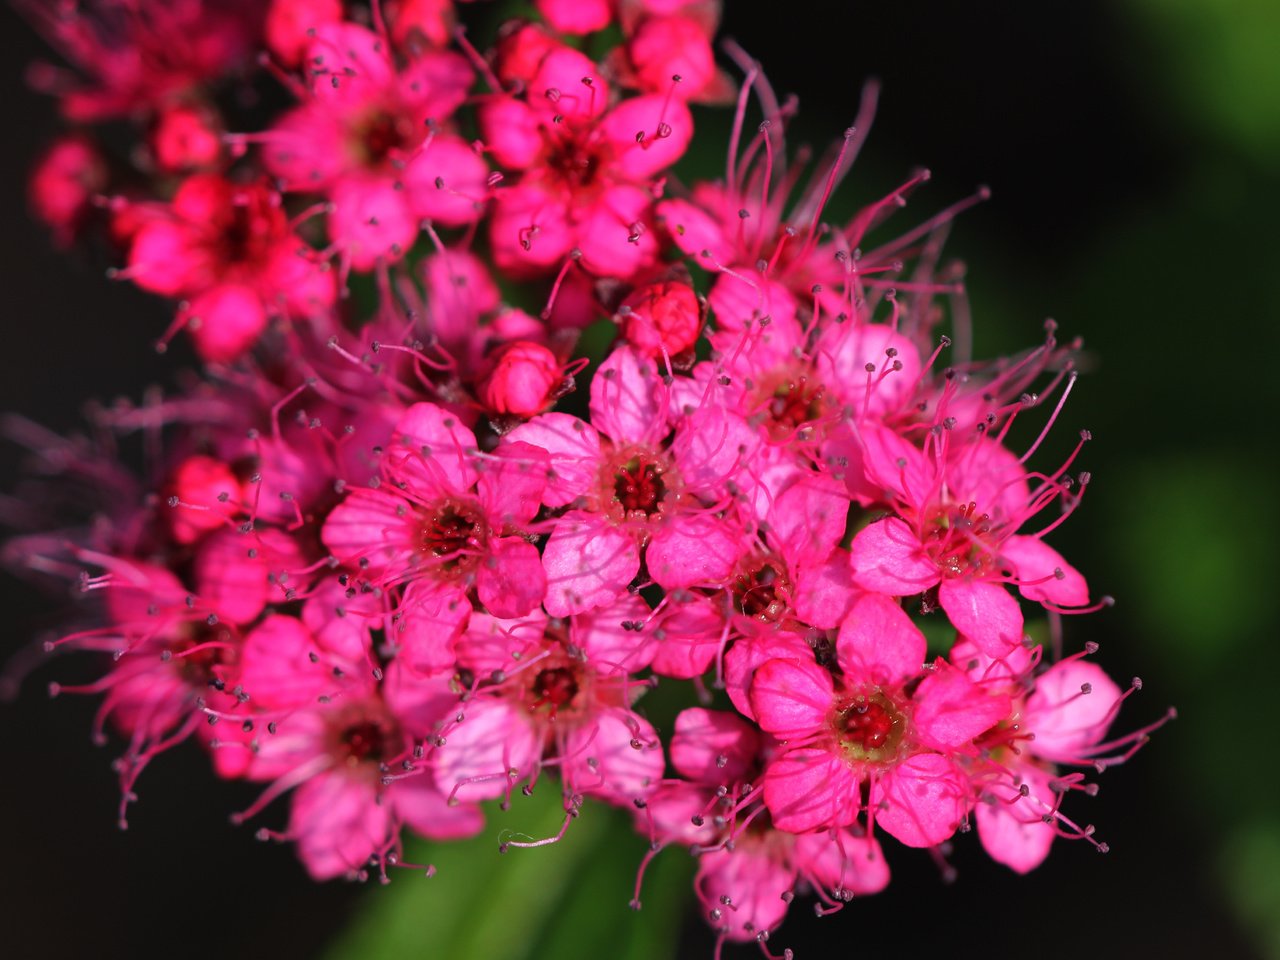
921, 801
511, 581
694, 550
754, 881
690, 635
431, 618
984, 612
1032, 559
887, 557
711, 447
1065, 719
588, 563
490, 750
619, 757
574, 448
373, 526
878, 643
1011, 826
437, 451
491, 644
628, 399
276, 669
951, 710
792, 699
825, 593
512, 483
338, 823
616, 638
714, 747
841, 861
808, 520
748, 653
633, 128
811, 788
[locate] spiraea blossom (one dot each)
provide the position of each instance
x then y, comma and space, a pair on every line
505, 422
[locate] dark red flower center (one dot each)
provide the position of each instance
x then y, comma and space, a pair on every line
381, 135
762, 594
556, 687
795, 402
870, 728
452, 534
638, 485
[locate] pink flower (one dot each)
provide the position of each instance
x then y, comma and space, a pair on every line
550, 693
630, 491
66, 178
588, 169
865, 727
362, 138
230, 252
446, 521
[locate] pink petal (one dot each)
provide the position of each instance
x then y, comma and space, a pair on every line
628, 399
691, 550
748, 653
690, 635
373, 526
983, 612
1011, 826
493, 748
811, 788
844, 350
491, 644
878, 643
574, 449
694, 231
276, 669
1065, 719
610, 647
428, 623
792, 699
989, 474
711, 447
754, 881
512, 482
618, 757
951, 710
370, 220
921, 801
649, 132
614, 233
714, 747
896, 466
839, 860
824, 594
439, 451
511, 580
887, 557
1032, 559
992, 671
447, 182
529, 230
808, 520
347, 65
588, 563
338, 823
225, 321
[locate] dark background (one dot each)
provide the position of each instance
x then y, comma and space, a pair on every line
1132, 149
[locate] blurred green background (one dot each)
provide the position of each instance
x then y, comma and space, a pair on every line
1133, 149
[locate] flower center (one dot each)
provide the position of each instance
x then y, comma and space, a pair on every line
763, 594
378, 137
870, 728
959, 540
556, 686
452, 535
639, 487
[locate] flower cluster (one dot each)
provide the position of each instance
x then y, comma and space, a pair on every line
504, 423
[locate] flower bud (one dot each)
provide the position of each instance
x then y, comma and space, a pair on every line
195, 489
520, 379
661, 317
63, 185
186, 137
